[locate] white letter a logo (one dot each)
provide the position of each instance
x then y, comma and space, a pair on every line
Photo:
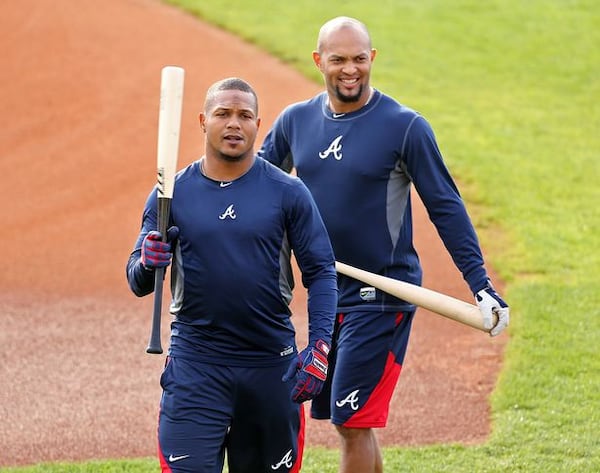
335, 148
228, 213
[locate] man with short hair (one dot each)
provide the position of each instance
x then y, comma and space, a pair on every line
233, 381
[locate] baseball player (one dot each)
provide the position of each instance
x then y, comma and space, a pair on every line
233, 383
359, 152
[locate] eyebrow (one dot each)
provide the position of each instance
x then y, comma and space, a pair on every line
341, 56
223, 107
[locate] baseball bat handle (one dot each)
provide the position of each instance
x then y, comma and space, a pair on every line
154, 345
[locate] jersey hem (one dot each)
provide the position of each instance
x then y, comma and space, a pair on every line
376, 308
222, 361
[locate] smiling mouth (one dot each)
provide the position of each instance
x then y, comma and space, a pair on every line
349, 83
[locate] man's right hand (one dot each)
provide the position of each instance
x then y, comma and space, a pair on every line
155, 252
490, 303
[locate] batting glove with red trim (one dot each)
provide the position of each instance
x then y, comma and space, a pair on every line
155, 252
310, 370
490, 303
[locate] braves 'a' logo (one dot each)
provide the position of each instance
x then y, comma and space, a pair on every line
335, 148
285, 461
351, 399
229, 212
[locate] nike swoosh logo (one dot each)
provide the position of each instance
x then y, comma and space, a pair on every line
338, 115
225, 184
174, 459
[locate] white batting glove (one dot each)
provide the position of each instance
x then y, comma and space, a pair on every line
490, 304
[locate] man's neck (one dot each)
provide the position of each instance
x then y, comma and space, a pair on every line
348, 107
219, 169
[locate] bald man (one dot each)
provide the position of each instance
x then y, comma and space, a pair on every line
359, 152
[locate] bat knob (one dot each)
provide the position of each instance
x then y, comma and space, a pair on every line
154, 350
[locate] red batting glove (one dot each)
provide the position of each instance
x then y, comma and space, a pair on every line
310, 369
155, 252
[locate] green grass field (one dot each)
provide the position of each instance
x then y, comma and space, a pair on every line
512, 89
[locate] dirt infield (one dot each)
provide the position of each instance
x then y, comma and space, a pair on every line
79, 91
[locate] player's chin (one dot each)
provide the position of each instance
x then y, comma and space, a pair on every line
233, 155
349, 94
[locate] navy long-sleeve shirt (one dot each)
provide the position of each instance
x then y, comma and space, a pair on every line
231, 277
359, 167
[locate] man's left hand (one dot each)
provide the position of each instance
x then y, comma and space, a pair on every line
310, 369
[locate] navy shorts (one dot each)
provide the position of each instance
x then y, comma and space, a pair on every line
366, 357
211, 412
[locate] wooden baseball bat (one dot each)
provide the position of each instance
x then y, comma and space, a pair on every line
169, 125
455, 309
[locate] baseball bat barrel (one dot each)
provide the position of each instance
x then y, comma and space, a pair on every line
169, 125
442, 304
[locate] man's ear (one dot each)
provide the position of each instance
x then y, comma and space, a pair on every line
317, 59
